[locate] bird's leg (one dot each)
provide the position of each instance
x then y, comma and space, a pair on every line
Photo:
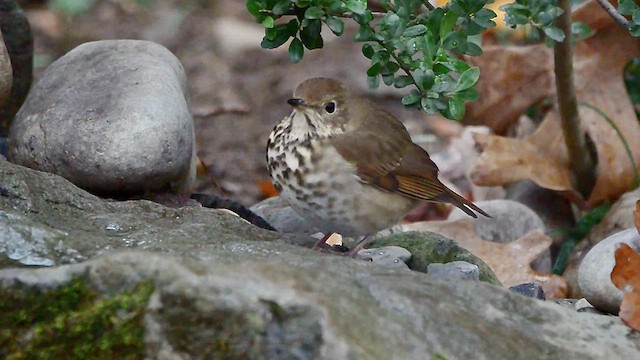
319, 245
359, 246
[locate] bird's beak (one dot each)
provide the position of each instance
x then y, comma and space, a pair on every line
295, 102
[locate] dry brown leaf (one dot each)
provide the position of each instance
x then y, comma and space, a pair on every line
513, 78
542, 157
636, 216
626, 277
511, 262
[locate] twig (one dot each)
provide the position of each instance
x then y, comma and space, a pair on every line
574, 135
428, 5
611, 10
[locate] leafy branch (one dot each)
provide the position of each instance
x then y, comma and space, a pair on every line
409, 43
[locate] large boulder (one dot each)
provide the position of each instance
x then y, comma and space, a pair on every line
112, 117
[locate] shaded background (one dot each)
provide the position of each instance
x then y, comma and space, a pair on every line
238, 90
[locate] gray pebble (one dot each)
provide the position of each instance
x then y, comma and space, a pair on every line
455, 270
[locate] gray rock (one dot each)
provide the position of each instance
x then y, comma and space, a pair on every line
594, 274
389, 256
6, 73
510, 220
225, 289
554, 211
112, 117
282, 216
455, 270
45, 220
531, 290
167, 307
618, 218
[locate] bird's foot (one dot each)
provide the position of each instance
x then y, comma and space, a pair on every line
322, 246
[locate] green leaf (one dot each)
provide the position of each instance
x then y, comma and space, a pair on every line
454, 40
634, 30
627, 7
365, 34
428, 105
402, 81
313, 12
281, 7
389, 68
335, 24
368, 51
470, 94
473, 49
636, 17
415, 30
448, 23
310, 35
424, 79
483, 18
268, 22
280, 39
373, 82
388, 79
296, 50
467, 79
253, 6
374, 70
554, 33
357, 6
291, 28
580, 30
547, 17
271, 33
413, 98
456, 108
72, 7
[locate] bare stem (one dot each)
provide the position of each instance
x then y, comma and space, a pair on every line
574, 135
611, 10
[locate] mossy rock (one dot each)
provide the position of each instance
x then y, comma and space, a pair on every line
72, 321
429, 247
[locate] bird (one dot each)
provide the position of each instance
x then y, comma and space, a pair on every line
348, 166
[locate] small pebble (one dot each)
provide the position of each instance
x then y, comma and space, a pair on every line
455, 270
390, 256
531, 290
584, 306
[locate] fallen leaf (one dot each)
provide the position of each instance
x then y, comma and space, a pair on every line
513, 79
636, 216
626, 277
511, 262
542, 157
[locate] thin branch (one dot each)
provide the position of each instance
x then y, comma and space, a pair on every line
428, 5
574, 135
611, 10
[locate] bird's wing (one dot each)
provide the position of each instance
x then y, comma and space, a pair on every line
385, 157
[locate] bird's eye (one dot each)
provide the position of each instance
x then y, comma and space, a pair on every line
330, 107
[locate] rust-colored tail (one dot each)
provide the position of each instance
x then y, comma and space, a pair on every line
463, 204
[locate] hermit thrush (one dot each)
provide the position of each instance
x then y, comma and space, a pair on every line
348, 166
